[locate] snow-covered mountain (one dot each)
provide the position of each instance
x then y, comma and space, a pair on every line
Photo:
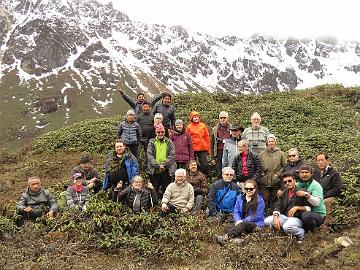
67, 57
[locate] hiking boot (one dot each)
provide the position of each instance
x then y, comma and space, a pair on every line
299, 240
237, 241
221, 239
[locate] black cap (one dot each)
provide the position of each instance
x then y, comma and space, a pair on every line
85, 159
237, 127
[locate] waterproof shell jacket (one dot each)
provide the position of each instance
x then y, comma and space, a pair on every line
222, 197
199, 135
256, 138
130, 165
41, 202
231, 150
168, 113
77, 199
253, 165
272, 163
148, 198
169, 163
183, 146
129, 132
330, 181
257, 217
198, 181
294, 168
136, 105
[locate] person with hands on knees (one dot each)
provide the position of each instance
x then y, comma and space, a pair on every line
288, 210
35, 202
178, 196
77, 195
248, 213
199, 182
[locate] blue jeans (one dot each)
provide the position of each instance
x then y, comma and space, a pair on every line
290, 225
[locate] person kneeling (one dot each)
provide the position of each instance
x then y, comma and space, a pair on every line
178, 196
248, 213
136, 197
77, 195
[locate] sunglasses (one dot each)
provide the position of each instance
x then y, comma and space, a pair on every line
160, 132
222, 117
291, 155
249, 189
287, 182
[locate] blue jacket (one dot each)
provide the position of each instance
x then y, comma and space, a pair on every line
258, 218
218, 202
130, 164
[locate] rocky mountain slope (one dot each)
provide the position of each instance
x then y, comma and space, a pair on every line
60, 62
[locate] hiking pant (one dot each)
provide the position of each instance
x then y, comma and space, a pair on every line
162, 179
311, 220
290, 225
134, 148
204, 164
242, 227
197, 203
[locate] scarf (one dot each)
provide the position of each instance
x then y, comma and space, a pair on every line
116, 162
77, 188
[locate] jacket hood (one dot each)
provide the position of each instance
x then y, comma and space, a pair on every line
192, 114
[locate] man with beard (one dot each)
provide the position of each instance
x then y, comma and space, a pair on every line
121, 165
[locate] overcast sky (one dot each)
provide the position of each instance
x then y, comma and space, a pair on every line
282, 18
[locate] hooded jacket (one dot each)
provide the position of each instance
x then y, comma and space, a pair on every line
170, 163
183, 146
257, 217
199, 134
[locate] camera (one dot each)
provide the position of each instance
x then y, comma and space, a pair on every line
255, 144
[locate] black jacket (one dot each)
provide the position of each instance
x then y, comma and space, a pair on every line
330, 182
146, 122
294, 168
148, 198
283, 204
253, 165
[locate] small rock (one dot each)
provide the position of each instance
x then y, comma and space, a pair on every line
344, 241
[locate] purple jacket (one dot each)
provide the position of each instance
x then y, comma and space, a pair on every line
183, 146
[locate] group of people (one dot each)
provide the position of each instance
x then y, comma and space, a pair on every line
255, 176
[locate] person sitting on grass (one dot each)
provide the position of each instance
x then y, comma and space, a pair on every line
35, 202
91, 175
77, 195
178, 196
222, 196
248, 213
136, 197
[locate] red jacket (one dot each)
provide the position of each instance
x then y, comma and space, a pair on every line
199, 134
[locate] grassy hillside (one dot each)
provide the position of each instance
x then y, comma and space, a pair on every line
323, 118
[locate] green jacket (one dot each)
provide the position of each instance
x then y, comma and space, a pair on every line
272, 163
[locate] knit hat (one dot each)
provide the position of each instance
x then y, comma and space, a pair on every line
159, 128
179, 122
130, 112
271, 136
236, 127
77, 175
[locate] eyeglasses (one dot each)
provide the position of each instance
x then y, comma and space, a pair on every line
287, 181
291, 155
228, 174
249, 189
160, 132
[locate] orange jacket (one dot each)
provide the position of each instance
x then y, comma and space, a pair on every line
199, 134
